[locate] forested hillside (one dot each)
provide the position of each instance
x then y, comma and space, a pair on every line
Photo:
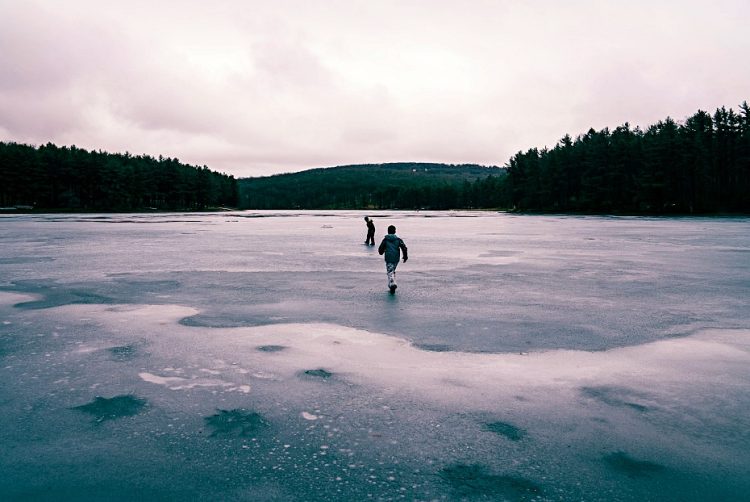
699, 166
69, 178
384, 186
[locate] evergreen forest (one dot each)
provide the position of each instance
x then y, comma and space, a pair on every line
698, 166
73, 179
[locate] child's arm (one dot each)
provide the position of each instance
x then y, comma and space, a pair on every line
403, 250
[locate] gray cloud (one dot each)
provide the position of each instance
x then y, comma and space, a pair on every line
255, 88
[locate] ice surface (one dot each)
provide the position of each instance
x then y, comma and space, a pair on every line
258, 356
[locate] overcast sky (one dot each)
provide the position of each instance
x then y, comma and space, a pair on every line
253, 88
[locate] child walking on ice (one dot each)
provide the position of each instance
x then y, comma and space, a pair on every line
391, 246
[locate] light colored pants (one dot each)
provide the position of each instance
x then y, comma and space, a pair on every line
390, 269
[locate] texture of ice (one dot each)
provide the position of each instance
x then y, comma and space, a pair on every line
259, 356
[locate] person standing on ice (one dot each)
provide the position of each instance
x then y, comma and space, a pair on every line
392, 246
370, 239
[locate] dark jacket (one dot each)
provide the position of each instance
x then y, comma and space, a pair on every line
391, 246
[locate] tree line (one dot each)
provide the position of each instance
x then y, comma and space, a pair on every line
699, 166
69, 178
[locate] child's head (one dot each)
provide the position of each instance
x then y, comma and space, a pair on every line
391, 229
367, 218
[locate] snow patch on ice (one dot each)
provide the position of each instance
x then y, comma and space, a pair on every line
159, 380
668, 371
180, 383
8, 299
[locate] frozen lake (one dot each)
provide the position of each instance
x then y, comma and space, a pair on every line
259, 356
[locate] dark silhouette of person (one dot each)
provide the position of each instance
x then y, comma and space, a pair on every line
392, 246
370, 239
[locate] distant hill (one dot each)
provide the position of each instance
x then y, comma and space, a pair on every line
405, 185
